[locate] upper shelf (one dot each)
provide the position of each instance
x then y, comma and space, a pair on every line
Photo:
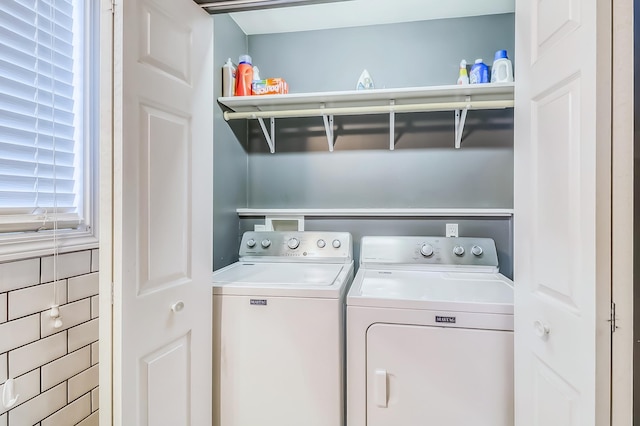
410, 99
360, 102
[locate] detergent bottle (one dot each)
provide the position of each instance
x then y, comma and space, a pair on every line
479, 73
502, 70
244, 76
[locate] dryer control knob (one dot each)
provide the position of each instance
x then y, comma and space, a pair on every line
293, 243
251, 243
265, 243
321, 243
426, 250
458, 250
336, 244
476, 250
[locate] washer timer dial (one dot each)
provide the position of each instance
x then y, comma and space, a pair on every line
293, 243
458, 250
426, 250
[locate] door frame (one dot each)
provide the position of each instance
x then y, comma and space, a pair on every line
622, 213
106, 231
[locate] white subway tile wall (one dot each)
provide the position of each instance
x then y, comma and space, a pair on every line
92, 420
34, 299
16, 333
33, 355
71, 315
83, 286
95, 352
26, 386
95, 306
66, 367
83, 335
55, 369
95, 399
71, 414
40, 407
15, 275
3, 308
69, 265
3, 368
95, 260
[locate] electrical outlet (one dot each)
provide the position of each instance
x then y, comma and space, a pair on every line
451, 230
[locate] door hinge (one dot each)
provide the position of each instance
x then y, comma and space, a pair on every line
111, 293
612, 318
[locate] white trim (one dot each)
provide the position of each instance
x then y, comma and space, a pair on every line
377, 212
22, 247
105, 181
622, 215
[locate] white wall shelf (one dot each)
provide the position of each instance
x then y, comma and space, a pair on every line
459, 99
377, 212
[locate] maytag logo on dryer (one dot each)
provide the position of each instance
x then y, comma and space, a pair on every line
258, 302
447, 320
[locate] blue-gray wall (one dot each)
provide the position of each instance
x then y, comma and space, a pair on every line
424, 171
229, 151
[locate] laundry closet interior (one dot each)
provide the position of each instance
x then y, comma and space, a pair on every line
364, 187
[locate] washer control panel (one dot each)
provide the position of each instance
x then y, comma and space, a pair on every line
297, 244
461, 251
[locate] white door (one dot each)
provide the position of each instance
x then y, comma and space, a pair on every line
419, 375
562, 212
162, 213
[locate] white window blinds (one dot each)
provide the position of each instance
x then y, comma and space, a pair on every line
40, 115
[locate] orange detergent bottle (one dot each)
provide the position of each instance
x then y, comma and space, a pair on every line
244, 76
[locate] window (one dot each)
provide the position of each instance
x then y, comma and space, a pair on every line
46, 76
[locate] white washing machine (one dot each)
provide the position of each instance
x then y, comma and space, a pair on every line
279, 330
429, 334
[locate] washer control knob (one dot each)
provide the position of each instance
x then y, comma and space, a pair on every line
293, 243
426, 250
476, 250
251, 243
458, 250
336, 244
321, 243
265, 243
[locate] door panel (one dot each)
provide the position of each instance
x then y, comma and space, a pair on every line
167, 368
562, 177
420, 375
162, 198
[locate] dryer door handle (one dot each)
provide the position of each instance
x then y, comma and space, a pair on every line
381, 386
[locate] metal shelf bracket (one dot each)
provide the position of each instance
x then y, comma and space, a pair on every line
271, 138
461, 117
328, 128
392, 126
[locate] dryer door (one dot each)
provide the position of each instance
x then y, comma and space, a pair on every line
419, 375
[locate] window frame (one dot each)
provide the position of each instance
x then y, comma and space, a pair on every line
20, 245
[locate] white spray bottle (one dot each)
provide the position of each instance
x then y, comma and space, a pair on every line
463, 75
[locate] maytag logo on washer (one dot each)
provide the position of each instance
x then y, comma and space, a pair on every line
259, 302
448, 320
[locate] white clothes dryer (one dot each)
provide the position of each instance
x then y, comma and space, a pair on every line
429, 334
279, 330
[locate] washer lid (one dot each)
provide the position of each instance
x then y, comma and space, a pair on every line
284, 279
279, 274
454, 291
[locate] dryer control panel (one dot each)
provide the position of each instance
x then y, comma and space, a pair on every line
466, 253
301, 245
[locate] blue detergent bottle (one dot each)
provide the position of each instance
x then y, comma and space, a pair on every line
479, 73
